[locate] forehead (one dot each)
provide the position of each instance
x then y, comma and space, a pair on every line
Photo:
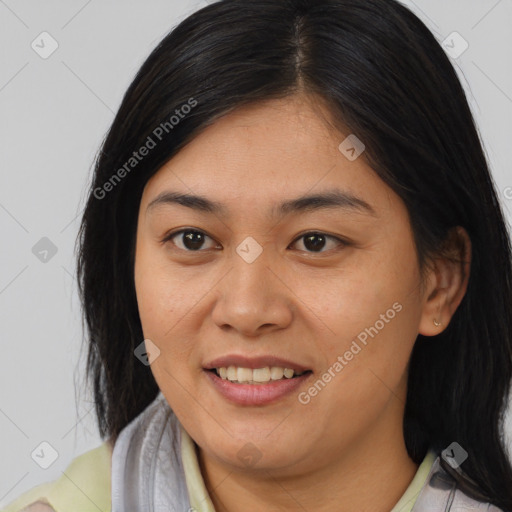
264, 153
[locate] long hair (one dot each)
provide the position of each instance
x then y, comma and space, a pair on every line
383, 75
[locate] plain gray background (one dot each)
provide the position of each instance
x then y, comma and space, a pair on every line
54, 114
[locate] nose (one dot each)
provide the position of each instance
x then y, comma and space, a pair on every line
253, 298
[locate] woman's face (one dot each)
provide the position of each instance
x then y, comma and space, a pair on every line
328, 285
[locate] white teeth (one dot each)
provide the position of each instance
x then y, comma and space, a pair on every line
276, 373
257, 376
243, 374
261, 375
231, 373
288, 373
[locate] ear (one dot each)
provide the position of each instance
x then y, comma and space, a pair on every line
447, 282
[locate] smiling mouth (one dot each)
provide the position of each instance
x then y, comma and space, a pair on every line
265, 375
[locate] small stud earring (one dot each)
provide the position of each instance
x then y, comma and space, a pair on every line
436, 323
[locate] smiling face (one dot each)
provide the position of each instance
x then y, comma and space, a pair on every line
234, 279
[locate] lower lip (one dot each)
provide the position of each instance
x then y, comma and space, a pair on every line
256, 394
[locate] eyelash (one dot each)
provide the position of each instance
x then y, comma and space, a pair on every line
168, 237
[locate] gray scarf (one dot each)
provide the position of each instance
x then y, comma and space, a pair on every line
147, 471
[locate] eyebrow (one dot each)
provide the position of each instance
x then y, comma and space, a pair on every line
325, 200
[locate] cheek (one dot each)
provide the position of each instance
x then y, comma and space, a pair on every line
362, 380
373, 311
172, 306
163, 301
163, 297
363, 293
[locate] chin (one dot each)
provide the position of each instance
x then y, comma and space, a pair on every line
254, 452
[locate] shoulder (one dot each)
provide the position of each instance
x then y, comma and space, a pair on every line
84, 486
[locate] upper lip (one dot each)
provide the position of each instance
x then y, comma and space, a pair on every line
253, 362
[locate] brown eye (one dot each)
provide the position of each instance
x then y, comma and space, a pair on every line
316, 242
188, 239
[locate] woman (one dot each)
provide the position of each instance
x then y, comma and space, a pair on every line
295, 273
